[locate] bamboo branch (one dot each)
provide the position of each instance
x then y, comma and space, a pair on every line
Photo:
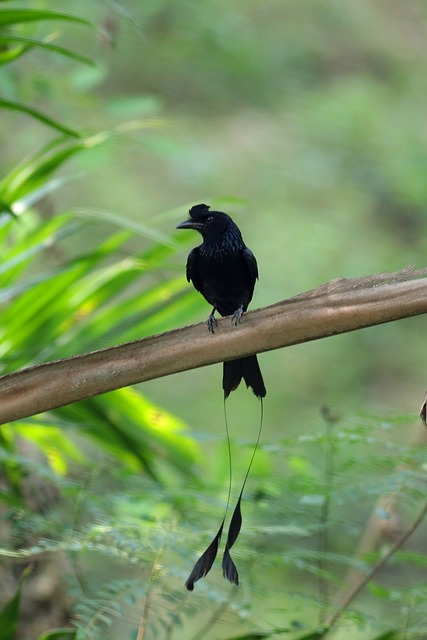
336, 307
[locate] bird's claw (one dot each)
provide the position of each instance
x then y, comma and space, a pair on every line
211, 322
237, 316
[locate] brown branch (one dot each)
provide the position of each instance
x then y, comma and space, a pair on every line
336, 307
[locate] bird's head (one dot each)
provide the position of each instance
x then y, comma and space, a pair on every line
208, 223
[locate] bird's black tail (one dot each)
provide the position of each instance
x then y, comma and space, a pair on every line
246, 368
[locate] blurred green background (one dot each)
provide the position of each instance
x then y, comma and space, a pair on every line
306, 121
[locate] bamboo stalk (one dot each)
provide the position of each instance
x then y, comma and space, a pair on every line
336, 307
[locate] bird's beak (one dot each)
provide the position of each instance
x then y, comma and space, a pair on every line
190, 224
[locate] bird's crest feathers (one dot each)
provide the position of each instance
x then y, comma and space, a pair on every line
198, 211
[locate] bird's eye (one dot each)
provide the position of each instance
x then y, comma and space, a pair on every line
209, 219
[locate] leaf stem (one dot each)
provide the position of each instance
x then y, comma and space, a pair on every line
349, 597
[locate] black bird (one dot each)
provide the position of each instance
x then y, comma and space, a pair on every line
224, 270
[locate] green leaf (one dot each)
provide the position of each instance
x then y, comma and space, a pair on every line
136, 429
32, 173
52, 441
22, 247
125, 223
6, 211
47, 309
314, 635
22, 108
9, 617
378, 590
59, 634
37, 194
412, 557
388, 635
8, 55
17, 16
33, 42
22, 172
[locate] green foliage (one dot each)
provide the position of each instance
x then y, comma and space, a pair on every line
312, 116
12, 54
130, 539
9, 617
19, 18
59, 634
14, 106
85, 293
78, 296
51, 291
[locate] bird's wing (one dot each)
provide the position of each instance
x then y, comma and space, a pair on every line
251, 264
192, 271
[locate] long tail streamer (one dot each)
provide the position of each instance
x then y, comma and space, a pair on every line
206, 560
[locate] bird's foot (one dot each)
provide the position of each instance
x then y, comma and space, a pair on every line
237, 316
212, 322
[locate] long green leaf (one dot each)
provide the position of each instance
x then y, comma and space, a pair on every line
132, 428
48, 46
23, 169
136, 227
38, 115
59, 634
44, 310
24, 245
17, 16
33, 171
9, 617
52, 440
11, 54
38, 193
61, 307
